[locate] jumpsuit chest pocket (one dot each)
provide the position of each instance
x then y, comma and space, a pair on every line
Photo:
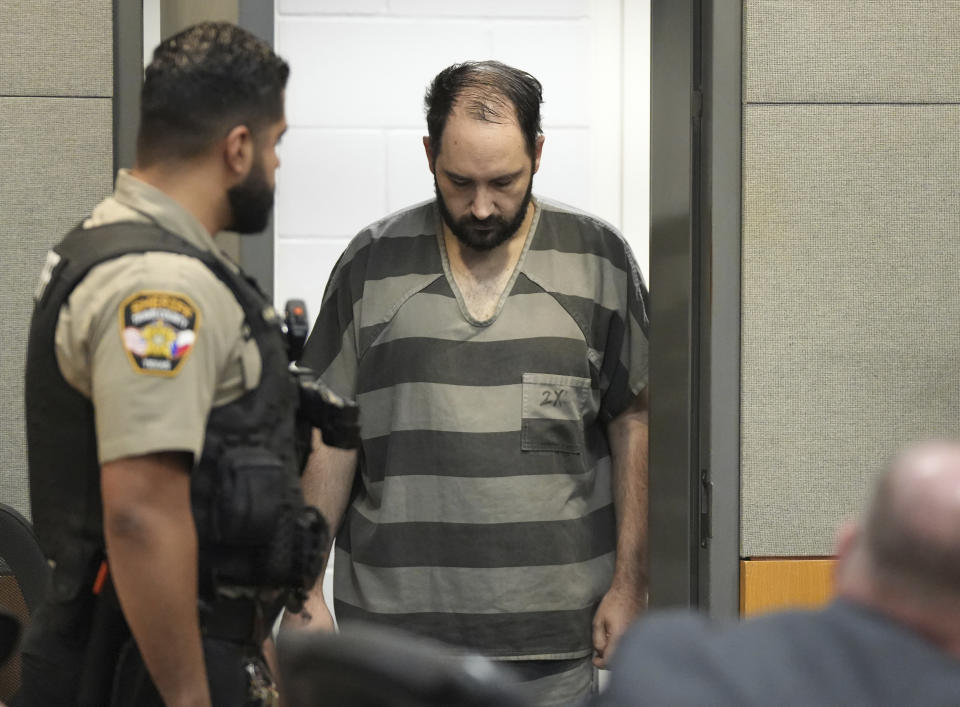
552, 413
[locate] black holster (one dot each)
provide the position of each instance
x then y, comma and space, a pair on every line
259, 535
108, 633
337, 418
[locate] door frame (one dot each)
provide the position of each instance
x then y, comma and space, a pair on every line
695, 208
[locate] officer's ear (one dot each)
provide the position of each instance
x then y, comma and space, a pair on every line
238, 151
431, 158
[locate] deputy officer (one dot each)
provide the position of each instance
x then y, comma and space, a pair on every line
160, 408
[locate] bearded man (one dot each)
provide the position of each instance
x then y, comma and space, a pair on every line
497, 346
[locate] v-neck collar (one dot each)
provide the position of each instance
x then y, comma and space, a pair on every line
508, 288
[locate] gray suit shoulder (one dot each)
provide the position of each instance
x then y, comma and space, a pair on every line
844, 654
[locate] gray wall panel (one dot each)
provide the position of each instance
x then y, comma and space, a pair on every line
851, 310
854, 51
176, 15
56, 48
57, 164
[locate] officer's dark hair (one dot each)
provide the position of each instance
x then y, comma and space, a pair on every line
203, 82
488, 90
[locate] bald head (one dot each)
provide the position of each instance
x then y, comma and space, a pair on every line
910, 539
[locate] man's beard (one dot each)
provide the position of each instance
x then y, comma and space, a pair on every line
251, 201
484, 234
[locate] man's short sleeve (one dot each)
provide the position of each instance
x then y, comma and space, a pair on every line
331, 350
147, 337
626, 358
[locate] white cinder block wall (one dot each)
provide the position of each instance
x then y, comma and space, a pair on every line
353, 151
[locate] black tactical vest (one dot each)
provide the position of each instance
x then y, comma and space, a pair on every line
259, 428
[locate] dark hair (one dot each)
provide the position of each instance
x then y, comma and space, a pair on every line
488, 90
201, 83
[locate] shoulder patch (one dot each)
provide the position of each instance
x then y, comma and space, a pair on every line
158, 330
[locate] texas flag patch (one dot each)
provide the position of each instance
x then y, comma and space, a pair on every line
158, 330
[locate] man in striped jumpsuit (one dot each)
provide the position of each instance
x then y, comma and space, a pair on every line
497, 345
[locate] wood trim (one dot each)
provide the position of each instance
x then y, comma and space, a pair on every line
769, 584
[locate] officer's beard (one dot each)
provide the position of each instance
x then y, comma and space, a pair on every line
251, 201
488, 233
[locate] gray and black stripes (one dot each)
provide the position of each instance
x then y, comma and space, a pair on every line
483, 515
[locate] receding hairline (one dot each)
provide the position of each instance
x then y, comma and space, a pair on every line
493, 107
489, 91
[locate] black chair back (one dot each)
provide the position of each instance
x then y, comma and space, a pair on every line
24, 582
372, 666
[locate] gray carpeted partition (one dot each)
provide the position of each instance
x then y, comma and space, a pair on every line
851, 246
56, 162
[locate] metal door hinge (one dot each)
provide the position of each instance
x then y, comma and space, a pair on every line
706, 507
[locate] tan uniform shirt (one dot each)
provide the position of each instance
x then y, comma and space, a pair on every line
155, 340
